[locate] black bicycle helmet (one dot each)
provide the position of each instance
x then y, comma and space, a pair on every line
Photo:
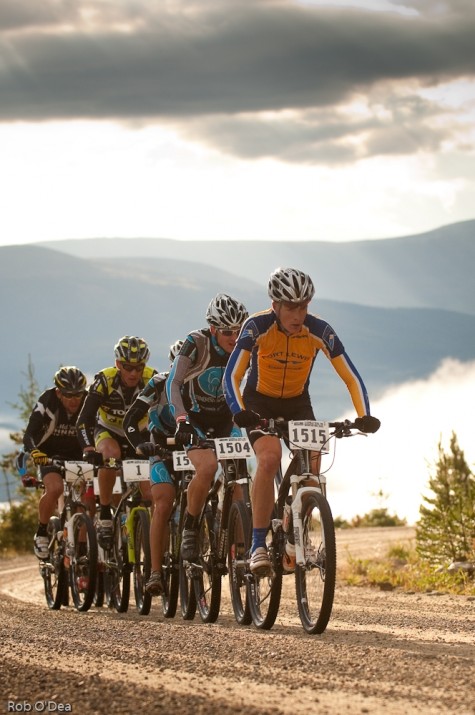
290, 285
132, 349
70, 379
226, 312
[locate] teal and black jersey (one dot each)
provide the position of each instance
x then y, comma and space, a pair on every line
194, 385
152, 400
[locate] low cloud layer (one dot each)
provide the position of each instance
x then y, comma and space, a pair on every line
401, 457
271, 78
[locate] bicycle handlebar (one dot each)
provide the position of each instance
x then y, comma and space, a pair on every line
340, 429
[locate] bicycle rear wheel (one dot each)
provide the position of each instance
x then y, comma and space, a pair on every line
117, 570
207, 579
83, 565
170, 570
141, 568
315, 581
239, 544
52, 570
264, 592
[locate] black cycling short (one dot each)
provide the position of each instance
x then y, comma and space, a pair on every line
221, 425
290, 408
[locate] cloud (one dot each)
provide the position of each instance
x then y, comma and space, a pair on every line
400, 458
126, 61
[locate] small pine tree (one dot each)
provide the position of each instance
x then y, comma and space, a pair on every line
446, 529
17, 524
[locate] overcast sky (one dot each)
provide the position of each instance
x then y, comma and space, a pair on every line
235, 119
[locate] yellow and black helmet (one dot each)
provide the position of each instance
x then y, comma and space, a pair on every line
70, 379
132, 349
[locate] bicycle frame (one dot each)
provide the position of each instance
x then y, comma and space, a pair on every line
298, 495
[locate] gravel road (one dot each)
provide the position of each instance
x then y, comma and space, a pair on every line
383, 652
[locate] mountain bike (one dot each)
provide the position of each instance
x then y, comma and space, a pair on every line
303, 517
72, 541
224, 527
129, 551
173, 572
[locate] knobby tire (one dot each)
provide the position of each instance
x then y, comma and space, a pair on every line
83, 565
52, 569
239, 546
315, 581
142, 564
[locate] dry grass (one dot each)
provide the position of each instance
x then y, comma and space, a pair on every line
402, 568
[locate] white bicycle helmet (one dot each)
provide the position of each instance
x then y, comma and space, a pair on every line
132, 349
225, 312
290, 285
175, 349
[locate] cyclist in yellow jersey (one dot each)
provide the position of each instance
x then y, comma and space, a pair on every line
100, 422
276, 349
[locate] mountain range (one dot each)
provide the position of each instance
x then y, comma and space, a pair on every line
399, 305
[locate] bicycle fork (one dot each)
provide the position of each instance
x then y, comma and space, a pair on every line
296, 507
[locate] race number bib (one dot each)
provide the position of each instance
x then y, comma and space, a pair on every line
75, 469
135, 470
233, 448
181, 462
309, 434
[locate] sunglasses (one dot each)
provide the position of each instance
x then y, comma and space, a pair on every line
228, 333
132, 368
70, 395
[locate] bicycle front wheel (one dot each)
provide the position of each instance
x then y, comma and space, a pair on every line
170, 573
239, 544
141, 568
187, 592
315, 580
117, 570
207, 579
52, 570
83, 566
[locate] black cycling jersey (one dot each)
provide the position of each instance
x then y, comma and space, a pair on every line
52, 428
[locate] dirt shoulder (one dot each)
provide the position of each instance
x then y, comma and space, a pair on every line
382, 652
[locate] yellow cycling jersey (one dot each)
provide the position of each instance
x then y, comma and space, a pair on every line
106, 403
279, 365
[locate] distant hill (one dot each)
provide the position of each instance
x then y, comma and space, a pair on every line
430, 270
400, 306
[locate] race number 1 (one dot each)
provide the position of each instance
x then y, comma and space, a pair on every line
309, 434
136, 470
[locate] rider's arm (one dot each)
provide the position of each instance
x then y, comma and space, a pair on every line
35, 427
87, 419
133, 417
179, 370
147, 398
41, 420
352, 379
233, 375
